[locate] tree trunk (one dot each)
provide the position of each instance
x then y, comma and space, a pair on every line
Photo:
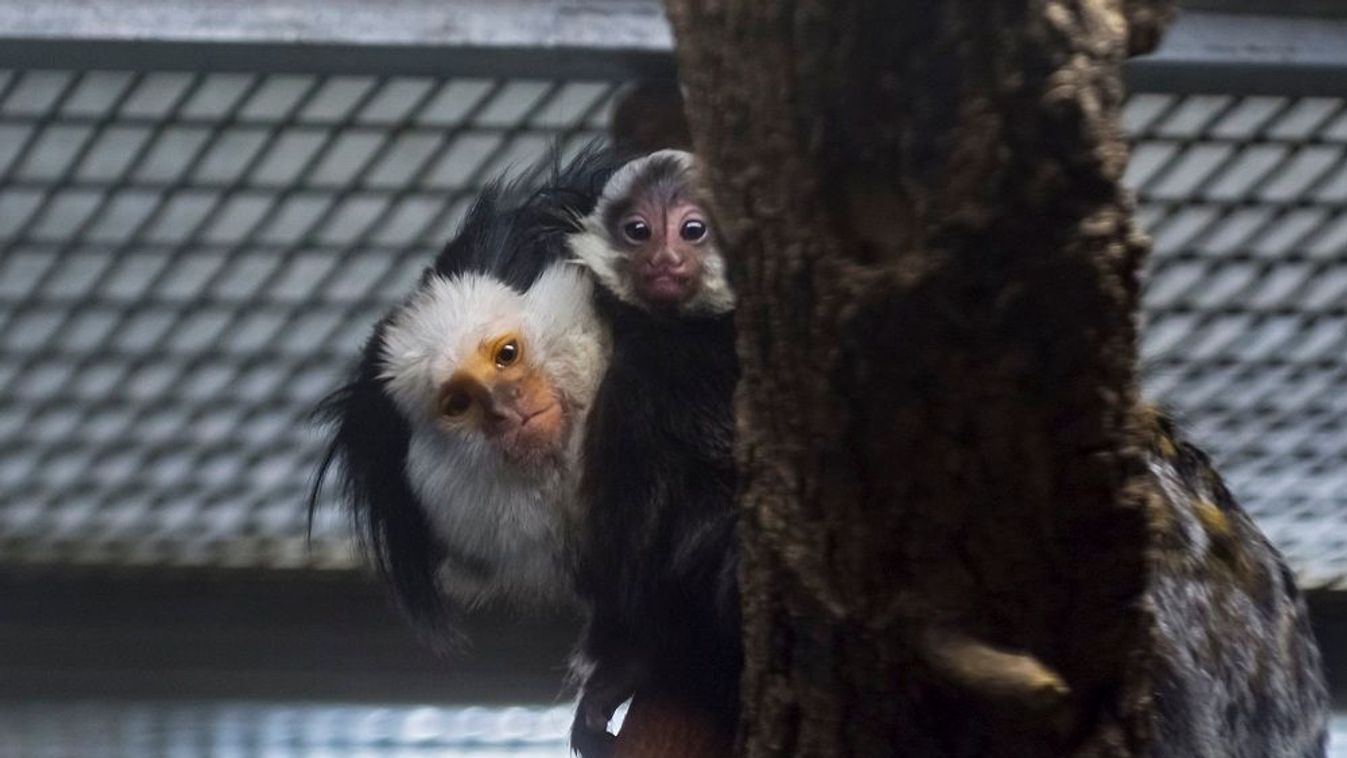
945, 511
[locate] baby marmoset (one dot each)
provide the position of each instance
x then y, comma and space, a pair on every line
658, 555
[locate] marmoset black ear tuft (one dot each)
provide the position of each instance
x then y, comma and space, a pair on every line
368, 450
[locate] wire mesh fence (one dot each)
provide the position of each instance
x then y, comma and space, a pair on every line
188, 261
279, 730
1246, 302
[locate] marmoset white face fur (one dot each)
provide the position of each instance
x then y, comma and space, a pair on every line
496, 384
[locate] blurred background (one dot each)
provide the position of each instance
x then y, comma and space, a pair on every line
204, 207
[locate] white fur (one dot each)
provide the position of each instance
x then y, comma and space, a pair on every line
593, 248
507, 516
441, 324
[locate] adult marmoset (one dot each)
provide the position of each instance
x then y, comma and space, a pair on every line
458, 434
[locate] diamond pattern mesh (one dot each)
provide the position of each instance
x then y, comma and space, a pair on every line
1246, 306
189, 261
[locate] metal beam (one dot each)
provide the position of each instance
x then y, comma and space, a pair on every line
555, 63
1271, 52
250, 635
1321, 8
500, 24
1242, 53
497, 38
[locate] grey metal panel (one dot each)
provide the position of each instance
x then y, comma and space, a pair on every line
1320, 8
321, 58
498, 38
588, 24
1207, 37
1242, 53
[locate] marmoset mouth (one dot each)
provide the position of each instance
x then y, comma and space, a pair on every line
535, 437
667, 286
526, 418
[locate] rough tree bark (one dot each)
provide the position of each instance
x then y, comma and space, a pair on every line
945, 515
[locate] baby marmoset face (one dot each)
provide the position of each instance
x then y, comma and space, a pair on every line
650, 240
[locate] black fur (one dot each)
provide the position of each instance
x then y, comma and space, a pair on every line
513, 232
658, 567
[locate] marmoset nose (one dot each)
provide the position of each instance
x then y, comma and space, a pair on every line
505, 395
666, 258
